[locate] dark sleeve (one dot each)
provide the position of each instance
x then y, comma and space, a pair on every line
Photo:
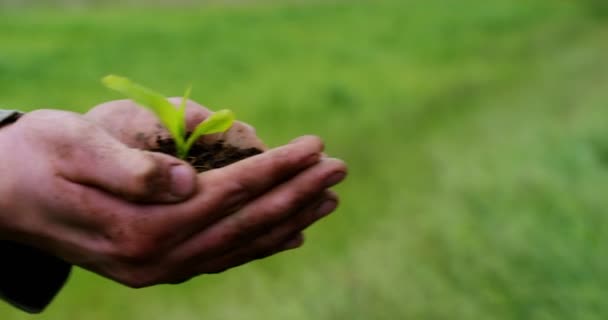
29, 278
8, 116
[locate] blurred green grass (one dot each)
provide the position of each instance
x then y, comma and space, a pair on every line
475, 132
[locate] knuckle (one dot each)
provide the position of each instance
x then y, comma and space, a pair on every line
142, 178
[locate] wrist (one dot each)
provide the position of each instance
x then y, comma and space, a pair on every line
7, 196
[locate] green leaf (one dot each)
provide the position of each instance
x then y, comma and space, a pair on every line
219, 121
182, 150
172, 118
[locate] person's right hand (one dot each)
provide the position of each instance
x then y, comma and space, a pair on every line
71, 189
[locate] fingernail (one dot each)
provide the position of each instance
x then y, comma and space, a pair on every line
327, 207
334, 179
182, 181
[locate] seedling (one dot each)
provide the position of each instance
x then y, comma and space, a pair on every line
174, 119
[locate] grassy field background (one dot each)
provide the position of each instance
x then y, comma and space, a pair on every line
476, 133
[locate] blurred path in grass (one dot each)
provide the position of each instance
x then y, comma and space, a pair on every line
475, 132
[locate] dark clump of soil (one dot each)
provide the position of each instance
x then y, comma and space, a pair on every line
205, 156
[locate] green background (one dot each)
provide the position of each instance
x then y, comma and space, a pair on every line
475, 132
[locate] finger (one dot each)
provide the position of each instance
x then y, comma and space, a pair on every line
265, 212
243, 257
235, 259
293, 243
241, 135
279, 239
289, 197
221, 192
322, 206
135, 175
226, 189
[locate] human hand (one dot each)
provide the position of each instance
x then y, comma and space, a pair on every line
119, 117
242, 212
139, 128
56, 144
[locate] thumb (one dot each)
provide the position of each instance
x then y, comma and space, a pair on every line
132, 174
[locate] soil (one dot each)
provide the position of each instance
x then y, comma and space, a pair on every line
205, 156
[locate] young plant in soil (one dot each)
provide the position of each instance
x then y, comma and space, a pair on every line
183, 144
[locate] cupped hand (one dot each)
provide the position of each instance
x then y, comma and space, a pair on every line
282, 198
78, 187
